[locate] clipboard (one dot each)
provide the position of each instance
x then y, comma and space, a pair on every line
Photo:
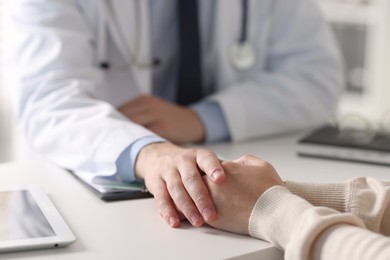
109, 188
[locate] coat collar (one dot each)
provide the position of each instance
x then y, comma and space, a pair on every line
130, 30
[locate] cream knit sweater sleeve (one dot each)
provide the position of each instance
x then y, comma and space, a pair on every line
308, 232
367, 198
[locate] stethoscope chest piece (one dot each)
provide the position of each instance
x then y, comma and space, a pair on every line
242, 55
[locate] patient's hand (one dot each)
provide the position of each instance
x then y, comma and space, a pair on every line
247, 178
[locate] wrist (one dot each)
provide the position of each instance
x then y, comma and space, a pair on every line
213, 120
148, 156
198, 130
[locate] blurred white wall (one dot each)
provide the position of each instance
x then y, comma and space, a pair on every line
362, 28
8, 142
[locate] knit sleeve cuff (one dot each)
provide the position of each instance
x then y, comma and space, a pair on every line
332, 195
291, 223
275, 212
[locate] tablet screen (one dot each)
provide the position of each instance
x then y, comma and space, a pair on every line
29, 220
21, 218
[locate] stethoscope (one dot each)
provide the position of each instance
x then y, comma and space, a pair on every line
241, 52
132, 55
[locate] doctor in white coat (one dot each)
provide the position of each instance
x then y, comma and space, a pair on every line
95, 86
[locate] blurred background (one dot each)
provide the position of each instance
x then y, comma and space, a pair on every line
362, 29
7, 130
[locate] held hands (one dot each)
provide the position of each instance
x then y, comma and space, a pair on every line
173, 175
247, 178
178, 124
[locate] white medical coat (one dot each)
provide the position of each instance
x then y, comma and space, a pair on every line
66, 105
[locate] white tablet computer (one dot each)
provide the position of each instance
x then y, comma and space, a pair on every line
29, 220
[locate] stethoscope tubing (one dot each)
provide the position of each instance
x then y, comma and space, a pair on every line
133, 58
244, 21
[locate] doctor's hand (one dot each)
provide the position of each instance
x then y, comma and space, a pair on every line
246, 180
173, 175
175, 123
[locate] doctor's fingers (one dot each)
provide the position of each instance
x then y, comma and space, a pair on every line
140, 114
182, 200
145, 119
165, 203
210, 164
132, 107
146, 101
196, 189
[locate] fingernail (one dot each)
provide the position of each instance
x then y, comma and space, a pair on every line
195, 219
208, 213
172, 221
216, 174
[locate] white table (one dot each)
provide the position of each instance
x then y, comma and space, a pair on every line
134, 229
